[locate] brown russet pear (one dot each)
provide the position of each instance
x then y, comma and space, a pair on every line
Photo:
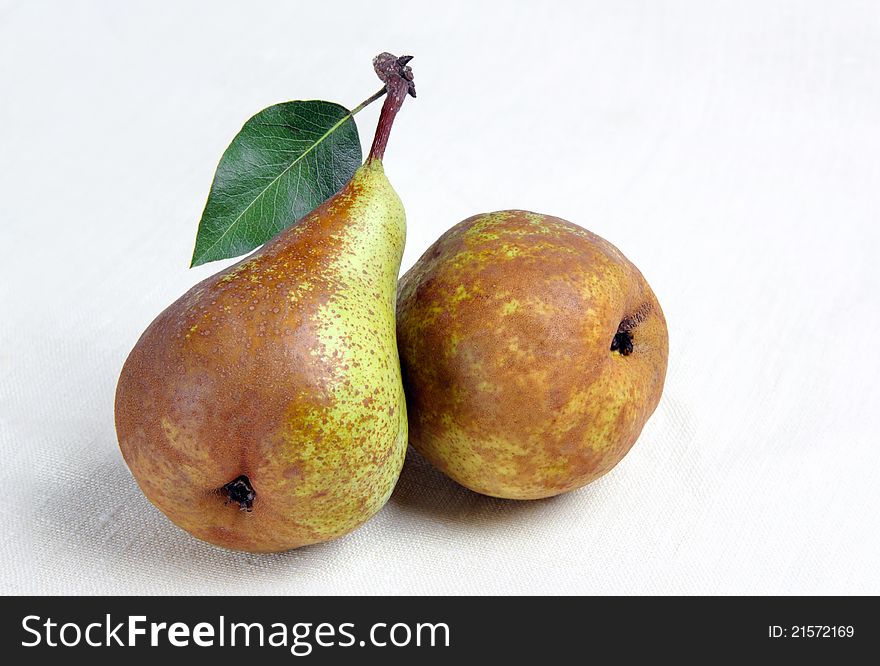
263, 410
533, 353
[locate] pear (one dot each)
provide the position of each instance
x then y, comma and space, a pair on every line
533, 353
263, 410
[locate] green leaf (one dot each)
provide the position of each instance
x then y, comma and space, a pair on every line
286, 161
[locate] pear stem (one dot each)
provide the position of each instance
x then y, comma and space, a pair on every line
398, 78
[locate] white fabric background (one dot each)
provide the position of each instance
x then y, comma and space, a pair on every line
730, 149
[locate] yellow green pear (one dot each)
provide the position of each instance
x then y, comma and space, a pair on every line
263, 410
533, 353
